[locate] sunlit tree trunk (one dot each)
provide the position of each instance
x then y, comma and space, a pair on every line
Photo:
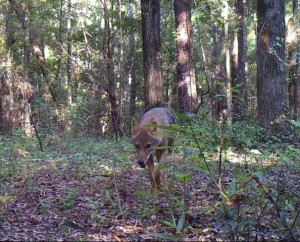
152, 56
293, 59
132, 67
227, 59
185, 71
26, 60
60, 45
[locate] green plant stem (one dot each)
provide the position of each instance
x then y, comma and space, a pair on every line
116, 189
293, 224
199, 148
205, 161
220, 156
269, 195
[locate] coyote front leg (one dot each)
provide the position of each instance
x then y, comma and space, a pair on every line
160, 178
150, 165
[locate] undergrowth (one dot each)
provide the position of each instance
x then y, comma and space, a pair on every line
238, 178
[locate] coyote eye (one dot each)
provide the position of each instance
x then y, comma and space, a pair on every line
148, 146
137, 146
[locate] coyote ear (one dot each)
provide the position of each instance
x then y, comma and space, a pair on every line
153, 122
135, 126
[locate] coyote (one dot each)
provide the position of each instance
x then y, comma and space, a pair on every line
149, 139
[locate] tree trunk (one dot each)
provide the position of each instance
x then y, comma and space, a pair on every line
271, 84
132, 66
60, 45
227, 60
69, 65
152, 58
6, 85
122, 92
26, 59
111, 89
2, 124
293, 60
219, 103
234, 80
240, 99
185, 71
43, 67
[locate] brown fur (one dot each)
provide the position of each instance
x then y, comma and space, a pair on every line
146, 138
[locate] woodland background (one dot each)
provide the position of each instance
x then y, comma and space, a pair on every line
74, 73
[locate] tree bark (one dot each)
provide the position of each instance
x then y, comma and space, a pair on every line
240, 97
271, 85
132, 66
122, 92
227, 60
6, 85
69, 65
219, 103
185, 71
23, 14
152, 56
60, 45
111, 88
293, 60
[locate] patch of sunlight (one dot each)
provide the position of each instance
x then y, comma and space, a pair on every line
6, 199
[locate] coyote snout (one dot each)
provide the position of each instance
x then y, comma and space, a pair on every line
150, 140
142, 163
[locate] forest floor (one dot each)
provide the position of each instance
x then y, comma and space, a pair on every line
97, 193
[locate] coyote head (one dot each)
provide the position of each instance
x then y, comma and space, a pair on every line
144, 140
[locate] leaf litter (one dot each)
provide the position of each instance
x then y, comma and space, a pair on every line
65, 200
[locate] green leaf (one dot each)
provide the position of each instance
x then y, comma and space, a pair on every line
183, 117
283, 218
232, 188
202, 168
181, 222
183, 176
168, 224
260, 174
167, 236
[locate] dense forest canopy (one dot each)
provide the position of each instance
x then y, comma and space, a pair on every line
79, 66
